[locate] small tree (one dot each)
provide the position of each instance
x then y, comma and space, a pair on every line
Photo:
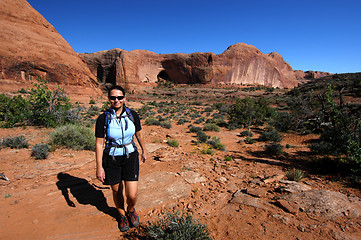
249, 111
48, 105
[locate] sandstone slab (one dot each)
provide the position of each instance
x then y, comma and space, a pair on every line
326, 203
161, 188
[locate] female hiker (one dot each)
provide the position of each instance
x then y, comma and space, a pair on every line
117, 158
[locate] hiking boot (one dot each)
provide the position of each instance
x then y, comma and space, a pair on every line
123, 223
133, 218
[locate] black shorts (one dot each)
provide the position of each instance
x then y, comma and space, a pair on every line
121, 169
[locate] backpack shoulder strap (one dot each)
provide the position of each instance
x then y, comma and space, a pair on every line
129, 113
107, 119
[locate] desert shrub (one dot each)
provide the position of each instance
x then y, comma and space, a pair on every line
295, 175
14, 111
92, 111
49, 107
211, 127
144, 111
270, 135
195, 115
282, 121
15, 142
42, 107
194, 128
249, 140
177, 226
207, 150
217, 119
341, 137
305, 109
208, 109
173, 142
152, 121
40, 151
322, 148
249, 111
182, 121
166, 124
246, 134
274, 149
202, 136
199, 120
215, 142
73, 136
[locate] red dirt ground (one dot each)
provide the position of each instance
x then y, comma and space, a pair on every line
33, 207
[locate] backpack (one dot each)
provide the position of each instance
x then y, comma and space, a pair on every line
108, 118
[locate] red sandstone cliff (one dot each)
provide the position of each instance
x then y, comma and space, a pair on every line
239, 64
30, 47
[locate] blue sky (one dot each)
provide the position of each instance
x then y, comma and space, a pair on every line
316, 35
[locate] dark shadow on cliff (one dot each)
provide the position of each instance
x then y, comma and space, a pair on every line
84, 193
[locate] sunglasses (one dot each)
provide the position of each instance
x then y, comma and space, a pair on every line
116, 97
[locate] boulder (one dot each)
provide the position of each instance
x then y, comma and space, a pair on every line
32, 48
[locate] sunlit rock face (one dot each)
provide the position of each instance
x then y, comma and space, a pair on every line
239, 64
30, 47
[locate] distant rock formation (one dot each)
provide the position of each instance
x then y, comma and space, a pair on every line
239, 64
309, 75
30, 47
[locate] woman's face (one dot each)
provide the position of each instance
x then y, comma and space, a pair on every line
114, 98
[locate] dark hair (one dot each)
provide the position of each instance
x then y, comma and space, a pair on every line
116, 87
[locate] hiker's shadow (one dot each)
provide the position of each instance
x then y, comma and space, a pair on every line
84, 193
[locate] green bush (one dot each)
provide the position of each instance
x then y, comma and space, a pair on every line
40, 151
249, 111
216, 143
152, 121
270, 135
274, 149
211, 127
282, 121
207, 150
166, 124
208, 109
249, 140
177, 226
49, 108
194, 129
322, 148
73, 136
92, 111
341, 137
202, 136
14, 111
246, 134
199, 120
42, 107
182, 121
295, 175
173, 142
15, 142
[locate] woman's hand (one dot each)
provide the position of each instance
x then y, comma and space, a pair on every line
143, 156
100, 174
